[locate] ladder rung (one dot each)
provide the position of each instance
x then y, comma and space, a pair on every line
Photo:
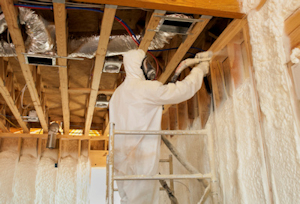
163, 177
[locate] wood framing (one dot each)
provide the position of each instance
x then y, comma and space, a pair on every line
153, 23
225, 8
232, 29
183, 48
61, 42
15, 32
106, 26
11, 104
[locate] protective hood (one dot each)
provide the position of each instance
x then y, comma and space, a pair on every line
132, 61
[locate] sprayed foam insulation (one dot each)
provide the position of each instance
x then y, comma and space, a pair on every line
270, 52
38, 181
46, 176
8, 161
25, 173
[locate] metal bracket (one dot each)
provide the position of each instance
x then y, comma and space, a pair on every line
111, 6
59, 1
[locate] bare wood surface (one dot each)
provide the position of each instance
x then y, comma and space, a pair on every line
225, 8
61, 42
15, 32
107, 22
149, 34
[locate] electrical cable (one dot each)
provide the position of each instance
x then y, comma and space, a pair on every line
22, 97
9, 121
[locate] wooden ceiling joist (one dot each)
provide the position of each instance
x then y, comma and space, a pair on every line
61, 42
106, 27
220, 8
182, 50
150, 33
15, 32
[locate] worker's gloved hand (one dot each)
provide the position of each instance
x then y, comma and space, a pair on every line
204, 66
205, 58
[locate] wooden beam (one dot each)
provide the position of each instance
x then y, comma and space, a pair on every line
228, 34
60, 15
292, 22
15, 32
153, 23
183, 48
107, 22
11, 104
45, 136
79, 91
220, 8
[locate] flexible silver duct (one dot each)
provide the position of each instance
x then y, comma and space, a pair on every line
41, 34
3, 24
7, 50
41, 39
51, 141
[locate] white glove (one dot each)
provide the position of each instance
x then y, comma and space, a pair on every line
205, 57
204, 66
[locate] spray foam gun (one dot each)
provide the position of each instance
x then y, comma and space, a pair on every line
200, 57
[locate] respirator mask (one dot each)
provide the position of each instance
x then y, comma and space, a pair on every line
148, 70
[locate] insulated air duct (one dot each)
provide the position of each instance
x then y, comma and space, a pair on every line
53, 130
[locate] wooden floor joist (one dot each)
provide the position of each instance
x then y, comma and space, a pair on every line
220, 8
183, 48
15, 32
106, 26
61, 42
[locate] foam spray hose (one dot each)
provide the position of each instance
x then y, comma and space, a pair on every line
186, 63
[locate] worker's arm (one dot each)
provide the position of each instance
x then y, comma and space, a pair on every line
180, 91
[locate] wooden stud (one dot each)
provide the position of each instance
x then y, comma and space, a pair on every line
15, 32
236, 63
107, 22
173, 118
39, 148
181, 51
165, 121
153, 23
204, 104
19, 148
292, 22
183, 121
220, 8
60, 15
79, 148
11, 104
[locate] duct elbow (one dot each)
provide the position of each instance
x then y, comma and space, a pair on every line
51, 141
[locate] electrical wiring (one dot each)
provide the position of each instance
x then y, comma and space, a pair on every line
22, 97
9, 121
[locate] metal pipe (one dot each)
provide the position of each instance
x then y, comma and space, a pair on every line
164, 177
51, 141
111, 164
181, 159
161, 132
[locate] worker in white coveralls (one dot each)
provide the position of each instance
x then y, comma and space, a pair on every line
137, 105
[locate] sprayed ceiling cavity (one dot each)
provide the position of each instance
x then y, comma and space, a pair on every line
41, 38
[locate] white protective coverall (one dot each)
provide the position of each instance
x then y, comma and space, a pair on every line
137, 105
